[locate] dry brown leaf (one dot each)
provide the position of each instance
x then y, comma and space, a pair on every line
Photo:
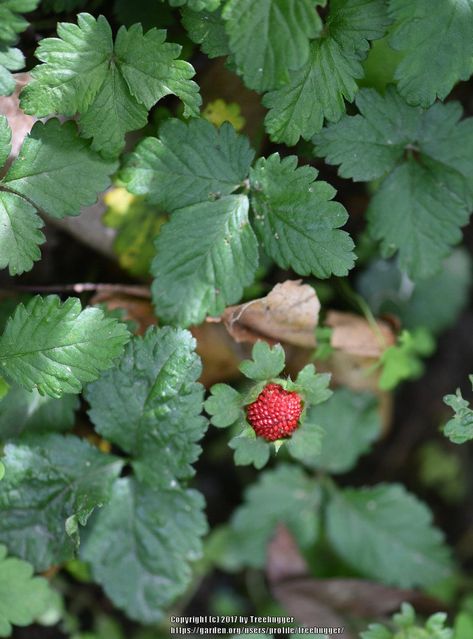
19, 122
353, 334
314, 601
289, 313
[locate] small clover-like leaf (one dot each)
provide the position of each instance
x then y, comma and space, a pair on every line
250, 449
305, 443
460, 428
313, 385
23, 597
267, 362
224, 405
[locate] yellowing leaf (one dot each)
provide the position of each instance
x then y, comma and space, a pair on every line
219, 111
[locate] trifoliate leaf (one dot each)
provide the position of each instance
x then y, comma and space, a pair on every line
23, 597
207, 29
150, 405
257, 30
266, 362
426, 195
312, 385
460, 428
445, 43
85, 72
296, 220
404, 360
362, 523
317, 90
5, 140
55, 347
151, 536
434, 303
217, 257
350, 422
224, 405
284, 495
10, 60
20, 234
22, 411
306, 442
250, 449
52, 483
57, 171
406, 627
189, 164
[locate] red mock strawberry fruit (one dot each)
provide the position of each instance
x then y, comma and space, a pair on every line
275, 413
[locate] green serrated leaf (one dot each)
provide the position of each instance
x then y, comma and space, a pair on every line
250, 450
84, 72
425, 158
156, 533
306, 442
266, 362
5, 140
57, 171
350, 422
22, 411
10, 60
256, 31
459, 429
11, 21
296, 220
49, 480
444, 43
284, 495
189, 164
55, 347
362, 523
20, 234
207, 29
313, 385
217, 257
196, 5
224, 405
23, 597
317, 90
150, 405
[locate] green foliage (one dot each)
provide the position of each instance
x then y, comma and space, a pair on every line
141, 544
284, 495
266, 362
363, 523
350, 422
149, 405
407, 628
52, 484
11, 24
23, 598
460, 428
84, 71
196, 5
55, 347
224, 405
296, 220
23, 411
444, 43
434, 303
191, 171
317, 90
404, 360
208, 30
256, 31
55, 172
424, 158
